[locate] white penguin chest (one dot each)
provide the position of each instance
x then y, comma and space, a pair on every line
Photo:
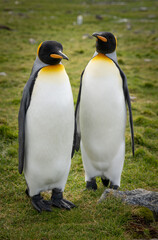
50, 116
102, 107
51, 89
102, 81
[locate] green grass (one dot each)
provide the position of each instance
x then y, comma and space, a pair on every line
137, 55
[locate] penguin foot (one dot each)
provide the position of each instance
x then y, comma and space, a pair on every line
40, 204
105, 182
27, 192
91, 185
57, 200
115, 187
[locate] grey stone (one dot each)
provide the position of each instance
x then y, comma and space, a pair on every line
133, 98
143, 9
141, 197
79, 20
86, 35
32, 41
3, 74
147, 60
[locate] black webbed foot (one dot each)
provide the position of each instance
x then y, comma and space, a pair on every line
27, 192
115, 187
57, 200
105, 182
91, 185
40, 204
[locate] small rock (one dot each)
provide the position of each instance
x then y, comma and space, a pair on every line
10, 12
23, 15
123, 20
32, 41
52, 17
143, 9
99, 17
128, 26
151, 16
7, 9
137, 31
85, 36
132, 98
146, 20
141, 197
3, 74
147, 60
16, 2
5, 27
79, 20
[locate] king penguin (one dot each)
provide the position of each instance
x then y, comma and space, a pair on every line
101, 115
46, 128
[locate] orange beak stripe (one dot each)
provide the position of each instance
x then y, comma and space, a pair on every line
102, 38
55, 56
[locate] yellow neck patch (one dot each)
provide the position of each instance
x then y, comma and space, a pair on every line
39, 48
101, 56
52, 68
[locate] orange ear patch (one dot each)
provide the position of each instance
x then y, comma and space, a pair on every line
55, 56
102, 38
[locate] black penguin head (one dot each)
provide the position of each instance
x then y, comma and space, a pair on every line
106, 42
50, 52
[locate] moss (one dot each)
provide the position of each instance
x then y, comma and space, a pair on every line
138, 139
7, 133
148, 85
142, 121
150, 133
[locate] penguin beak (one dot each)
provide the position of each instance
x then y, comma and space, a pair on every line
103, 39
60, 55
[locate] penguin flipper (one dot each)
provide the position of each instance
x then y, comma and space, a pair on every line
25, 102
77, 133
127, 99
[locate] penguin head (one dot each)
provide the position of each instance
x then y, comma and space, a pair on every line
50, 52
106, 42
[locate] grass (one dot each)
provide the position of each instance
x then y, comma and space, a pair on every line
135, 25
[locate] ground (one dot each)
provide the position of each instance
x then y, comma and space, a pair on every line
23, 25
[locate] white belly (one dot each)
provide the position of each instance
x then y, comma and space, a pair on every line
102, 114
49, 132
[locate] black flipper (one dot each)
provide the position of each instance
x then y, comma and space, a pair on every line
127, 99
57, 200
77, 134
25, 102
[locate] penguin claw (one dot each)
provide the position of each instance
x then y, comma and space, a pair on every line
27, 192
115, 187
70, 203
91, 185
57, 200
105, 182
40, 204
63, 203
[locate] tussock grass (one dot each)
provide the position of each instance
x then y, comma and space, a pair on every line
136, 30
